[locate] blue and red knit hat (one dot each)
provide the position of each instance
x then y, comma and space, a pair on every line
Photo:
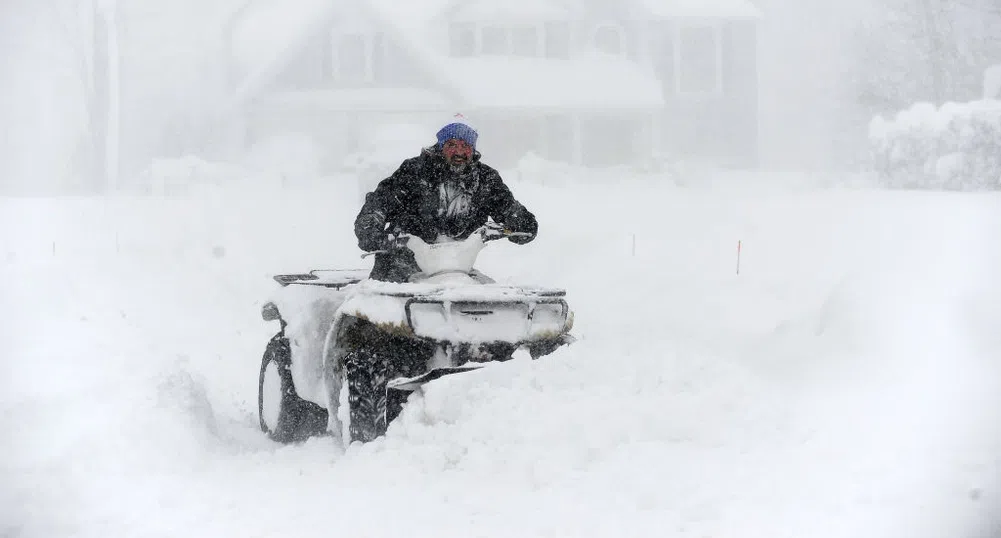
458, 130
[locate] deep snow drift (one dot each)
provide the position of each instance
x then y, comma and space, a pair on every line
845, 383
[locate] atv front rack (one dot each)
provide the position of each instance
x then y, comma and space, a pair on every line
518, 319
327, 278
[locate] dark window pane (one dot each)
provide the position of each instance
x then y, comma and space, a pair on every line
380, 71
495, 40
351, 61
699, 65
662, 44
608, 39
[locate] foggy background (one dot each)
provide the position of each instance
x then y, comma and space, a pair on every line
155, 78
824, 69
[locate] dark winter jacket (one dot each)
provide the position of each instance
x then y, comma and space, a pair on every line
424, 197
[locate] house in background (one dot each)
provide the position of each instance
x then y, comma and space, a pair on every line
586, 82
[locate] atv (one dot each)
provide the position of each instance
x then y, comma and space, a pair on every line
350, 350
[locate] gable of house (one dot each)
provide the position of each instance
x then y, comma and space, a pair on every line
721, 9
307, 45
527, 53
389, 43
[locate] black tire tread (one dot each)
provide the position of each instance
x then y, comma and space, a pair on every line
298, 419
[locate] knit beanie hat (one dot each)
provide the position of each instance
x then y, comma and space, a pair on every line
457, 130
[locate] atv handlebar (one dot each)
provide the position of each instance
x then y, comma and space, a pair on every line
488, 232
492, 231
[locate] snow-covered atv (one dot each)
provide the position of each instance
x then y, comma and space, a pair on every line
350, 350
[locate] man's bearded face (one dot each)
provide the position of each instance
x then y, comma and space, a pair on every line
457, 153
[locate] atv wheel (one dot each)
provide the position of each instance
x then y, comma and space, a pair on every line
372, 405
367, 376
284, 416
375, 357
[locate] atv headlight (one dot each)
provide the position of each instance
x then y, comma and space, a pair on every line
426, 318
548, 319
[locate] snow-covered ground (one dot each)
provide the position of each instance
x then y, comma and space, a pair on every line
844, 383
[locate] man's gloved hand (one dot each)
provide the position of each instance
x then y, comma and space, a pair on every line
395, 240
520, 238
493, 231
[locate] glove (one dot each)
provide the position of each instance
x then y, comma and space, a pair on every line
516, 237
521, 239
395, 240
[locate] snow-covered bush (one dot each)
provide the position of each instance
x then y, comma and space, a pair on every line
992, 82
953, 147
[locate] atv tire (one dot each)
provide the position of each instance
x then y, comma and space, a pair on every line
284, 416
367, 378
373, 359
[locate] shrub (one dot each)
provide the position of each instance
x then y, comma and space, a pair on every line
954, 147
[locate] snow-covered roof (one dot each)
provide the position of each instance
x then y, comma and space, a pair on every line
267, 35
361, 99
267, 29
702, 8
592, 82
596, 81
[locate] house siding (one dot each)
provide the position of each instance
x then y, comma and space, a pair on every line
605, 139
740, 86
722, 127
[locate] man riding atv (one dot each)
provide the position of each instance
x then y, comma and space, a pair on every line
445, 191
423, 312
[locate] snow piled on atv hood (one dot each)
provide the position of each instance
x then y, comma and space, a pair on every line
844, 383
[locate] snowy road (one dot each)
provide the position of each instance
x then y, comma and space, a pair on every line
845, 383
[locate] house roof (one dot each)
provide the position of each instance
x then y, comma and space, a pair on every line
267, 34
267, 29
361, 99
731, 9
596, 81
270, 32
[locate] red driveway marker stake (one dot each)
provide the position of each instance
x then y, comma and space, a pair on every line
738, 256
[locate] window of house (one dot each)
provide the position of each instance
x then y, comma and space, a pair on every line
494, 40
609, 39
462, 40
557, 40
525, 41
697, 59
351, 57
